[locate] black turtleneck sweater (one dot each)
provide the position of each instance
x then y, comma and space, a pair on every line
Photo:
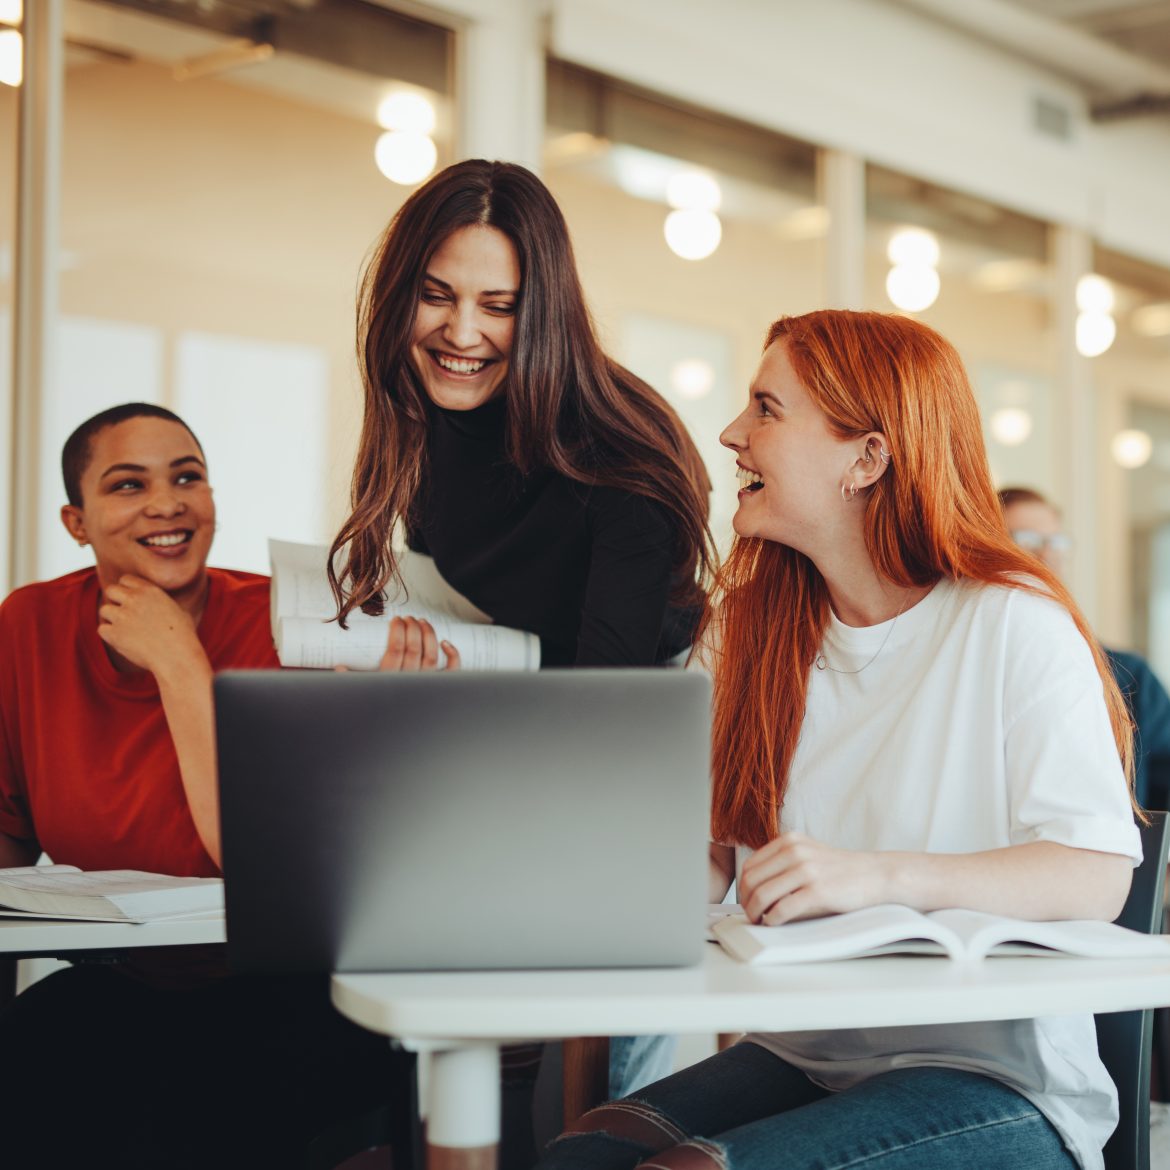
588, 569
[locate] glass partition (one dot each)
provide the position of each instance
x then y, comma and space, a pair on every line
219, 193
980, 275
10, 71
692, 232
1131, 377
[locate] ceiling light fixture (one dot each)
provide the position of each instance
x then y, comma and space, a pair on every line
913, 282
1095, 328
1010, 426
692, 229
11, 57
1131, 448
406, 153
405, 157
692, 378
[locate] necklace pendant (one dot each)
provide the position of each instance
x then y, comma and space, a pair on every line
820, 662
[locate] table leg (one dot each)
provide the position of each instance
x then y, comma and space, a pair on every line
463, 1122
7, 982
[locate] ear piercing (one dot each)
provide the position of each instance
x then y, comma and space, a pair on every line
851, 489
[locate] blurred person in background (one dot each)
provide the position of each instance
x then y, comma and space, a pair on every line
1035, 525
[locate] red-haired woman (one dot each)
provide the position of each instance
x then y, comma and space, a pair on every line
907, 709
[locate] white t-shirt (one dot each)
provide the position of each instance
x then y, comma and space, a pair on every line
981, 723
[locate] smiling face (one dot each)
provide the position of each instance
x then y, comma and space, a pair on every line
791, 465
463, 328
146, 506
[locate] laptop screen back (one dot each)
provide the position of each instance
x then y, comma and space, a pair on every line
381, 822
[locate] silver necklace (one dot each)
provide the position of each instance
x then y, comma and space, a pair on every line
822, 663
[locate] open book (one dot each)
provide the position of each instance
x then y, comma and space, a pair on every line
110, 895
961, 934
302, 606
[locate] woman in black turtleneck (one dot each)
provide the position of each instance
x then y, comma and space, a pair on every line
588, 568
553, 489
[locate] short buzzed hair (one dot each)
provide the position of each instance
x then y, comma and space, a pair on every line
1023, 495
78, 449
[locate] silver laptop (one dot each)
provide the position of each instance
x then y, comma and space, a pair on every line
468, 821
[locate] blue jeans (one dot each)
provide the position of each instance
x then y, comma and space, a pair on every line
637, 1061
746, 1109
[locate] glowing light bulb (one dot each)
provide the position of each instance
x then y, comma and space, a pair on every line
692, 378
406, 110
913, 248
1131, 448
912, 288
1010, 425
1094, 294
1152, 320
405, 157
693, 191
1095, 333
11, 57
692, 234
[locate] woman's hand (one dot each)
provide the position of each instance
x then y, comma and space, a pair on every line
147, 627
412, 644
796, 877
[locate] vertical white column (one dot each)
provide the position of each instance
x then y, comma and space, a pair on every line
499, 83
35, 301
841, 189
1072, 257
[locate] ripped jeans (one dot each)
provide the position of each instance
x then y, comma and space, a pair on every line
746, 1109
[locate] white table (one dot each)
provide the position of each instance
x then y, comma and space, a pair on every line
462, 1018
26, 937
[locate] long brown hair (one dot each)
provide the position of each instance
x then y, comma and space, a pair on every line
933, 514
568, 406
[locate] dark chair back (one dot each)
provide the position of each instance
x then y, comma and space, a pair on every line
1124, 1038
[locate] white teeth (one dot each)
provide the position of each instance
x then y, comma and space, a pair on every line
460, 365
747, 478
166, 540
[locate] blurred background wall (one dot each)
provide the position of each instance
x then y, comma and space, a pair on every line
188, 189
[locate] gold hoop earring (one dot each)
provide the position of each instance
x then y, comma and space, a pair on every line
852, 490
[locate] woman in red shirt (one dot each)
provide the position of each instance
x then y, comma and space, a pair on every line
107, 761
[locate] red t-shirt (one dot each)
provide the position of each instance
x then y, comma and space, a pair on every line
87, 766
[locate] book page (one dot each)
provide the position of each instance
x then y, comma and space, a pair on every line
105, 894
992, 934
34, 870
102, 883
875, 930
310, 642
306, 637
300, 586
139, 920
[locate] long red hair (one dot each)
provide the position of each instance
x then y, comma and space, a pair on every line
933, 514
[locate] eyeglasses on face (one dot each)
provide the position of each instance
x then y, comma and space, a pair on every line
1035, 542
